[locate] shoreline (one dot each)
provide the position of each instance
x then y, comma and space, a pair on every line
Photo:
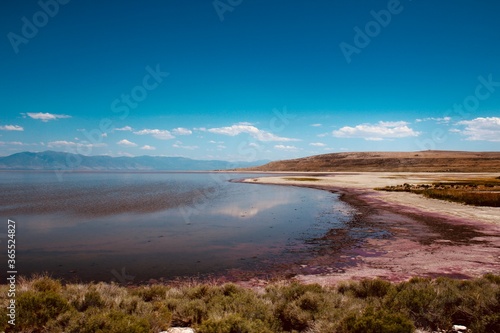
391, 235
404, 234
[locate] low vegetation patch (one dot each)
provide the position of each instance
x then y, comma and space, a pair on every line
45, 305
479, 192
302, 179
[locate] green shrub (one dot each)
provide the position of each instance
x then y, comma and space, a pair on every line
492, 278
443, 302
367, 288
189, 312
292, 317
291, 291
151, 293
112, 321
35, 309
91, 299
3, 318
193, 306
297, 305
414, 298
201, 291
233, 323
379, 321
231, 289
365, 306
160, 319
46, 284
322, 325
489, 323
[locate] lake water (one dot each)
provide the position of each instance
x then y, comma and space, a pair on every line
132, 227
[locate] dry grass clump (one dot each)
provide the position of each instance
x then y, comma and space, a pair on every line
478, 192
302, 179
470, 198
45, 305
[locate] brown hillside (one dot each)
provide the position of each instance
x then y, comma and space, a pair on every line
421, 161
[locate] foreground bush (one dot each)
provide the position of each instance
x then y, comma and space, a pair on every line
380, 321
45, 305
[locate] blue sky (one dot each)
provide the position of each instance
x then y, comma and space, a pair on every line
249, 79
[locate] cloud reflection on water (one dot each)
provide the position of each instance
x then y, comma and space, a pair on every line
216, 238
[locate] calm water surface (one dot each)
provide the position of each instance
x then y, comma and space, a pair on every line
132, 227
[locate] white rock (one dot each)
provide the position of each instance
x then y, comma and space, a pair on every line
459, 328
179, 330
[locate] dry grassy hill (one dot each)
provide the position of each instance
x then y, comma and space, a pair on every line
421, 161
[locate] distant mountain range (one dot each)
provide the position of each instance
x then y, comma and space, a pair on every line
52, 160
419, 161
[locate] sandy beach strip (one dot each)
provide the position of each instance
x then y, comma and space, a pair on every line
421, 236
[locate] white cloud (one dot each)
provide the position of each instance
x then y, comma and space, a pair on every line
121, 153
147, 147
317, 144
376, 132
156, 133
253, 144
126, 143
17, 143
179, 144
62, 144
444, 120
286, 148
182, 131
481, 129
11, 128
45, 117
316, 125
125, 128
71, 144
253, 131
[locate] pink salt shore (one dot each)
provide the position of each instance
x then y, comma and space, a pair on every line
425, 237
